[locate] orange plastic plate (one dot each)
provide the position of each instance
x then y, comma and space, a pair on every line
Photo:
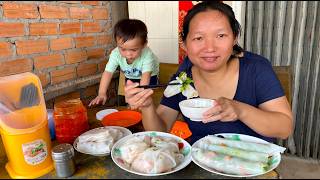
122, 118
181, 129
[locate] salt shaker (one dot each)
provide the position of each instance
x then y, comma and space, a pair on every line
62, 156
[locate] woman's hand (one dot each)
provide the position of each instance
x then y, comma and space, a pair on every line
137, 97
101, 98
224, 110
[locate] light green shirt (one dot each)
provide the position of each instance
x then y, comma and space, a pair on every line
146, 62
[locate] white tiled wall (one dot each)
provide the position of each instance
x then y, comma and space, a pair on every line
161, 18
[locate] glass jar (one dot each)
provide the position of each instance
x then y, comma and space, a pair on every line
70, 119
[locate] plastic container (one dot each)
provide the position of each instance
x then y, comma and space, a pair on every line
70, 119
24, 127
62, 156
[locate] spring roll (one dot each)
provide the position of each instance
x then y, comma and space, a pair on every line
228, 164
249, 155
268, 148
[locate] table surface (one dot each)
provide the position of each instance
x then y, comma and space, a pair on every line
103, 167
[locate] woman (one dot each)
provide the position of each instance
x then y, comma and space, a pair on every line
249, 97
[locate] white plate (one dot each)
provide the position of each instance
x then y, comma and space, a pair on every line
125, 132
186, 151
101, 114
274, 162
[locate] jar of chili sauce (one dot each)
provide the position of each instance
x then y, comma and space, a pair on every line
70, 119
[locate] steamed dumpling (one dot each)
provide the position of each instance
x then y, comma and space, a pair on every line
132, 148
154, 160
99, 141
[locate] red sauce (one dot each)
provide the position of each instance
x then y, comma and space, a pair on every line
71, 120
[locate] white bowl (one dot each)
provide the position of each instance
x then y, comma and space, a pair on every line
194, 108
101, 114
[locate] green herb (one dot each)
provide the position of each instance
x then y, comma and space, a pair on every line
185, 81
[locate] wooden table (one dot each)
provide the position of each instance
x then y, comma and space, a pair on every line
89, 167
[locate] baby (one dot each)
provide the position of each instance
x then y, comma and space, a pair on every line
136, 60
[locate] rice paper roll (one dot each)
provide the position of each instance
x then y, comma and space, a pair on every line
228, 164
249, 155
132, 148
269, 148
154, 160
165, 143
95, 147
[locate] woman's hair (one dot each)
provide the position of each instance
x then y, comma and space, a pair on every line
213, 5
127, 29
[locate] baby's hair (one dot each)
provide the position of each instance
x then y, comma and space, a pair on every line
127, 29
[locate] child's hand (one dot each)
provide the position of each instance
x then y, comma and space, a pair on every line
98, 100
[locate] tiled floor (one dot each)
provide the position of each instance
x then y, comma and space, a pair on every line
297, 168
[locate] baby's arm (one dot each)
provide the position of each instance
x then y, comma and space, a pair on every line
104, 84
145, 78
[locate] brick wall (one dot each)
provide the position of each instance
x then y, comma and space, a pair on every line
65, 43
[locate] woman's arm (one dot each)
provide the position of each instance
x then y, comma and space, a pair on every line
272, 119
160, 119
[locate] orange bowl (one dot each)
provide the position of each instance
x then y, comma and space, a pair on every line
122, 118
181, 129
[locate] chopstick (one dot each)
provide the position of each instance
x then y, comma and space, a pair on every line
157, 86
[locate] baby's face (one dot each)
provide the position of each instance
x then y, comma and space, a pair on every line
130, 49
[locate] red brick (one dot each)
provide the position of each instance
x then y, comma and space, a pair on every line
43, 79
80, 13
42, 29
11, 29
73, 56
104, 39
70, 28
41, 62
107, 27
15, 67
61, 75
84, 41
19, 10
61, 43
93, 3
102, 65
31, 46
53, 12
86, 69
100, 13
96, 53
5, 49
91, 27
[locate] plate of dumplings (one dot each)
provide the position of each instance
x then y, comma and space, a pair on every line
151, 153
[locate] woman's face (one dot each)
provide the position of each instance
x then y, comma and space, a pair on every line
131, 49
210, 40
